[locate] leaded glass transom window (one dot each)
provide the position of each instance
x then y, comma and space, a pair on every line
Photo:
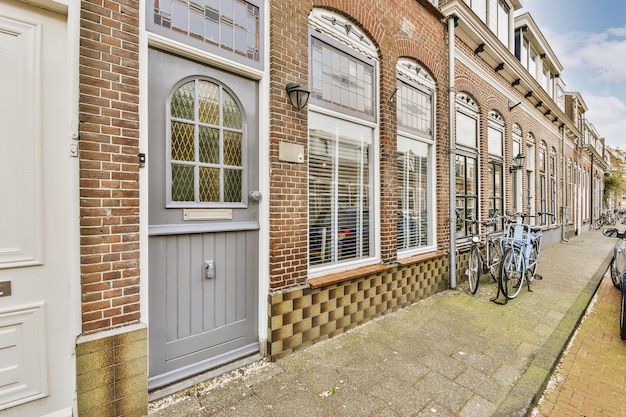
414, 95
206, 143
341, 80
231, 25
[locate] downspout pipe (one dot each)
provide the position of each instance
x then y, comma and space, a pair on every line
592, 191
452, 22
563, 183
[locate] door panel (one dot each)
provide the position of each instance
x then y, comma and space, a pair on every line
36, 339
203, 256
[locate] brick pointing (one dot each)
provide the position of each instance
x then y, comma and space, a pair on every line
109, 170
399, 28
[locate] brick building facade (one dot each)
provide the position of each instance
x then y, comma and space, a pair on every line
211, 221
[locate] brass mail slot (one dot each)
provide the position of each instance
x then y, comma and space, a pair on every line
207, 214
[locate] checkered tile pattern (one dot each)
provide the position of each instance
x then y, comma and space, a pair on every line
303, 316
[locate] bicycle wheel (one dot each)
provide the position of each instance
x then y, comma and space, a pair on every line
622, 316
597, 224
495, 256
512, 269
615, 275
533, 255
473, 274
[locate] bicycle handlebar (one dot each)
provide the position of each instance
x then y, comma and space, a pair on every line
525, 215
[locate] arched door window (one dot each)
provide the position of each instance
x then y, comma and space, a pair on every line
206, 137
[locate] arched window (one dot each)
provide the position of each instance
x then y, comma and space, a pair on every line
553, 189
495, 180
570, 184
343, 152
415, 98
530, 172
517, 149
205, 146
466, 162
543, 186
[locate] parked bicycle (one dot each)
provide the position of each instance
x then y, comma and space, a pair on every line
618, 263
608, 217
490, 263
521, 249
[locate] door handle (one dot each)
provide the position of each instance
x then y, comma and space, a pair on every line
255, 195
209, 267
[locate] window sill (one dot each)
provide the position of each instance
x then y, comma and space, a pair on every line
346, 275
422, 257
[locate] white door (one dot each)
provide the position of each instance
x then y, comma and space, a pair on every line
36, 365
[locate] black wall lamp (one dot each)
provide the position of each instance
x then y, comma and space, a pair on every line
513, 105
518, 162
298, 95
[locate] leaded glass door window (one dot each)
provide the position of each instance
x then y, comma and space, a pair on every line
206, 146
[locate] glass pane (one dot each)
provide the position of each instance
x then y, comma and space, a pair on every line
413, 186
183, 148
182, 183
341, 79
495, 141
466, 130
498, 181
183, 101
414, 108
472, 177
232, 113
491, 180
232, 185
209, 184
459, 174
208, 103
232, 149
205, 20
209, 144
339, 190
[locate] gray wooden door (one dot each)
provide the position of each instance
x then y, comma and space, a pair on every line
204, 229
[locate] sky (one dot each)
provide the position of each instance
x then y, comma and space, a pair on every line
589, 39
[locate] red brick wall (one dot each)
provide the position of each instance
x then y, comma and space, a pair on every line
109, 170
399, 28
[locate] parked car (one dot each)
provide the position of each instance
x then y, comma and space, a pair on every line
618, 272
346, 236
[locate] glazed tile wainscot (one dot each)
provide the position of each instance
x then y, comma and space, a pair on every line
333, 304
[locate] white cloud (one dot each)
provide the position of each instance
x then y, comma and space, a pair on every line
595, 65
608, 115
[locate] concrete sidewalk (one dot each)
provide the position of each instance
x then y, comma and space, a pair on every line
452, 354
